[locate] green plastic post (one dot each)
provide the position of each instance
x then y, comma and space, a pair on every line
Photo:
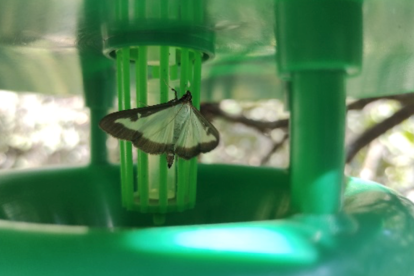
121, 143
317, 140
124, 102
164, 91
99, 94
140, 8
319, 41
183, 166
142, 157
196, 87
98, 139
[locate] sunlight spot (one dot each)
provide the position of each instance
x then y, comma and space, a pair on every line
257, 114
410, 196
71, 137
366, 174
231, 107
243, 240
231, 150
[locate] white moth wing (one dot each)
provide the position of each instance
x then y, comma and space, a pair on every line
155, 131
197, 136
158, 127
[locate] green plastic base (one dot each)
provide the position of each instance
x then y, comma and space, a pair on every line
90, 196
70, 222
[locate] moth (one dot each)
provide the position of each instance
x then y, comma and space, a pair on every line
175, 128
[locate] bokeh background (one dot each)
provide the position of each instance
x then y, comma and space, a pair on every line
38, 131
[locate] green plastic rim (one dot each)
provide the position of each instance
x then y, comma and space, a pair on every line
201, 41
166, 23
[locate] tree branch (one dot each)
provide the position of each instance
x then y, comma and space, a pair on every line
212, 110
404, 99
374, 132
275, 147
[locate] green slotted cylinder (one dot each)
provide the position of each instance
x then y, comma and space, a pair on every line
155, 188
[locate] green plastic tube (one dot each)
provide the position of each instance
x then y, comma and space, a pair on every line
98, 146
164, 91
317, 140
196, 87
183, 166
121, 143
124, 102
142, 157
